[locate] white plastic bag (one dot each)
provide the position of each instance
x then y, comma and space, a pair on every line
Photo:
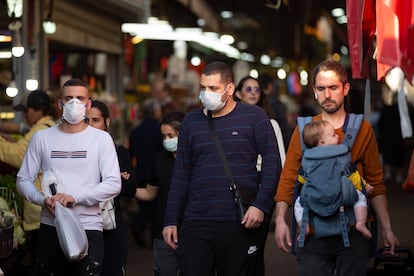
51, 177
108, 214
70, 231
72, 235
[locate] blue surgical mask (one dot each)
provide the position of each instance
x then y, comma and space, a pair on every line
170, 144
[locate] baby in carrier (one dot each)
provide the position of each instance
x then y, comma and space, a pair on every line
322, 133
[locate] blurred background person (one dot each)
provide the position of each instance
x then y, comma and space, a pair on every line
115, 241
267, 82
165, 258
37, 110
144, 141
395, 150
161, 90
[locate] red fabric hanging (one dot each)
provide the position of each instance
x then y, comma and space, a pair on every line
361, 30
395, 37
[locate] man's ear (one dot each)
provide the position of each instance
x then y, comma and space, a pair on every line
347, 86
231, 88
89, 104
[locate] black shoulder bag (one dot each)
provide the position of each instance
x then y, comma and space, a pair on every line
236, 195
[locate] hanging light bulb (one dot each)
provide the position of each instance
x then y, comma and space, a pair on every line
17, 49
32, 84
49, 26
12, 90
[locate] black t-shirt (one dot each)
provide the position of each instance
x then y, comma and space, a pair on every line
161, 173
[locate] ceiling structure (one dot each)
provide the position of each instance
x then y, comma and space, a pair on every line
272, 27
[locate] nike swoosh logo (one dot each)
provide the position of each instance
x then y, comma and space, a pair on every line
252, 249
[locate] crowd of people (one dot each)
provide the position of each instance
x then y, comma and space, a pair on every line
189, 173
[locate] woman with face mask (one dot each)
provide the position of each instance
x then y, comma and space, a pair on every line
165, 258
115, 241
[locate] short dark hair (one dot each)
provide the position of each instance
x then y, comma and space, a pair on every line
75, 82
218, 67
173, 119
38, 100
331, 65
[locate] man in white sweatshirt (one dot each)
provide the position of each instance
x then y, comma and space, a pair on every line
85, 160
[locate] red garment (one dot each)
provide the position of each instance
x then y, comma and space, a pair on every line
361, 32
395, 36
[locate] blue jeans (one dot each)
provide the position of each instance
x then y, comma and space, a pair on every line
328, 256
165, 259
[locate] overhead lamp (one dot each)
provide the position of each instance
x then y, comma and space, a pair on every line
226, 14
254, 73
159, 30
15, 8
5, 38
227, 39
195, 61
265, 59
5, 54
342, 19
17, 49
241, 45
49, 26
337, 12
12, 90
247, 57
32, 84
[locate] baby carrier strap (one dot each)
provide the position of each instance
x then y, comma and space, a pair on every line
302, 121
351, 128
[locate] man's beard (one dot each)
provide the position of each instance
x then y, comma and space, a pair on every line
331, 109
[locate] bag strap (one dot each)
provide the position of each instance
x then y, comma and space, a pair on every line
219, 148
232, 185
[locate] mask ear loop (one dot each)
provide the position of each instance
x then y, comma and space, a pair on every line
228, 96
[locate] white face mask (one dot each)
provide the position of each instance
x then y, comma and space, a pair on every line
212, 100
74, 111
170, 144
